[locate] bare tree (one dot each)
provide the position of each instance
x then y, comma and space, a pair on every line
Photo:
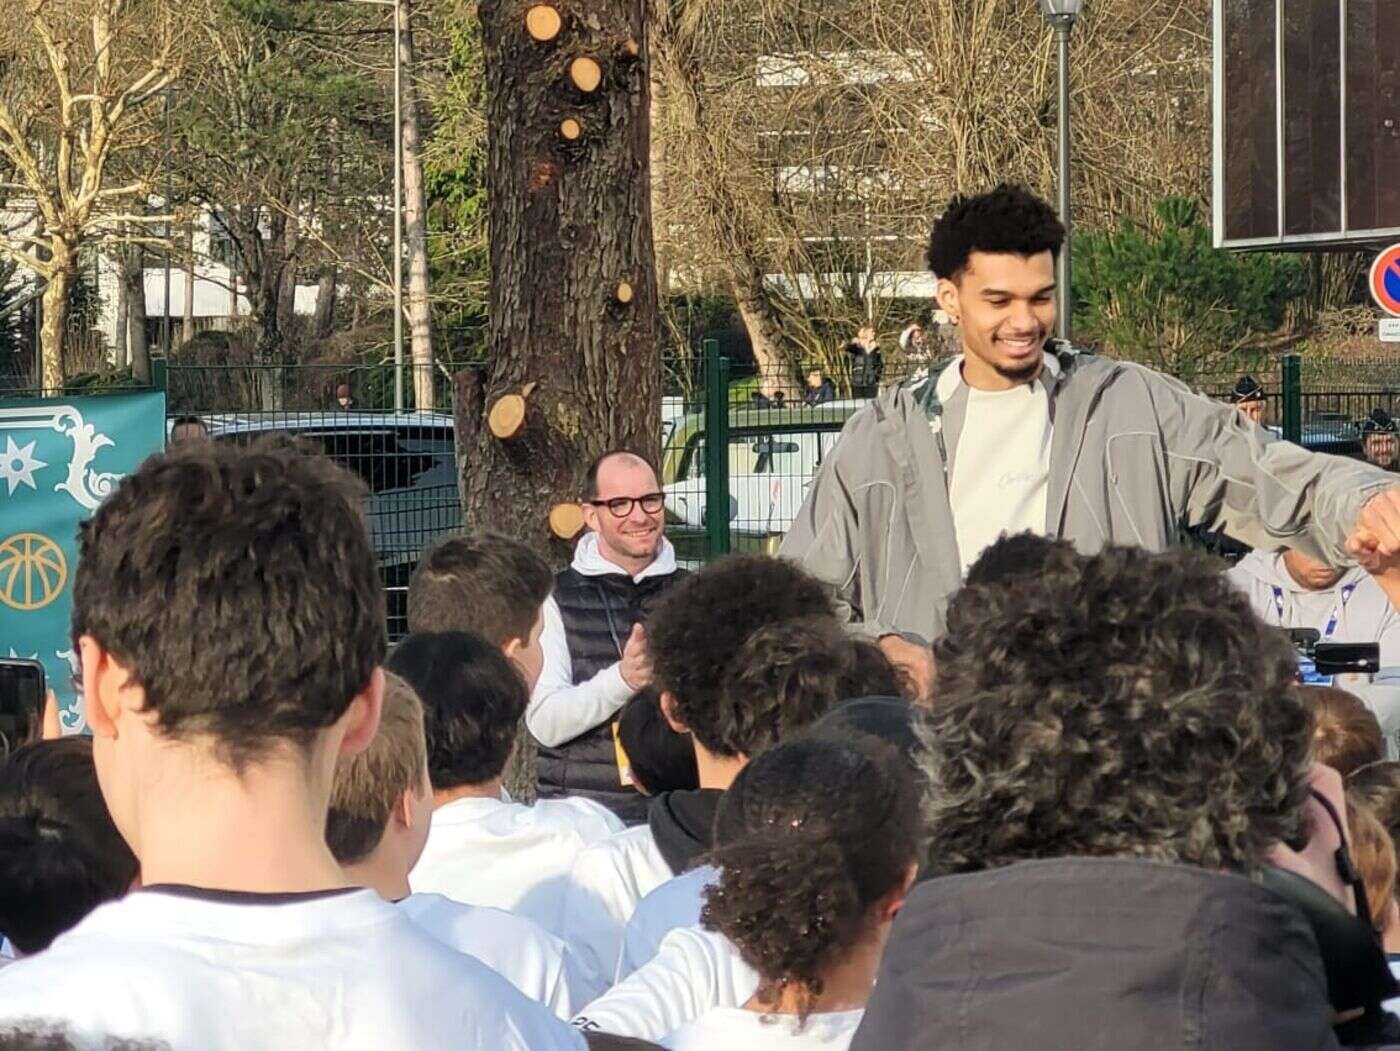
415, 217
63, 118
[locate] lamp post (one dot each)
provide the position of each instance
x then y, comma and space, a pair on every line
1061, 15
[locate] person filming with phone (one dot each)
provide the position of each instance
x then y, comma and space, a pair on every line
594, 642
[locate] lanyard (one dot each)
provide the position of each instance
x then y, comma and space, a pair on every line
1331, 621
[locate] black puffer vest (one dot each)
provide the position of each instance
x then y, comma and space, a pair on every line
598, 614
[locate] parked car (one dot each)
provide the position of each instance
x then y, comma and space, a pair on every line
407, 462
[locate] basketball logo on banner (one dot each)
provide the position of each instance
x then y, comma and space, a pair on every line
1385, 280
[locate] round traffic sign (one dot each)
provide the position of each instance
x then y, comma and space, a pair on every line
1385, 280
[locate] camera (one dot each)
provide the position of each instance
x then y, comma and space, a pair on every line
1319, 663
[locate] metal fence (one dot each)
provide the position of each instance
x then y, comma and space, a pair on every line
730, 439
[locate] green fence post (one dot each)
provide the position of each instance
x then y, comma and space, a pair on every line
1293, 398
160, 379
716, 450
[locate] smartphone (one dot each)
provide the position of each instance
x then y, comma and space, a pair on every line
22, 691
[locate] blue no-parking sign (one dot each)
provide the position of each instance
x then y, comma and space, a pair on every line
1385, 280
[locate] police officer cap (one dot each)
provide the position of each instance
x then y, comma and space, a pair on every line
1247, 388
1379, 422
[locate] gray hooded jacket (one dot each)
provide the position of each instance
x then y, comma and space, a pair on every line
1135, 457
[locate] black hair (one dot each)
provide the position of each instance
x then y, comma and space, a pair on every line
1009, 220
1023, 555
590, 476
40, 1036
872, 675
473, 699
896, 723
1139, 708
811, 834
698, 629
661, 759
265, 549
1246, 388
60, 854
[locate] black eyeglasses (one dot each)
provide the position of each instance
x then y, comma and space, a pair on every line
621, 506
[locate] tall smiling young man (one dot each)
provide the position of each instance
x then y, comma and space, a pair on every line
1021, 432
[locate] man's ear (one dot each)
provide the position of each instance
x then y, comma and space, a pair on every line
669, 710
402, 813
362, 717
511, 649
104, 678
892, 902
590, 516
947, 294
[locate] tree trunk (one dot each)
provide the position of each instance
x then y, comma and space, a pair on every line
324, 319
415, 223
64, 262
187, 322
134, 278
287, 284
570, 223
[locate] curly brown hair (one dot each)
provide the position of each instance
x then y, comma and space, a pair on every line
1138, 709
811, 834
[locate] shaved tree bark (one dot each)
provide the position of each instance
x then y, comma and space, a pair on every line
570, 222
415, 219
134, 281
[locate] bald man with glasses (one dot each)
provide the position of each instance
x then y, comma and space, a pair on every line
595, 650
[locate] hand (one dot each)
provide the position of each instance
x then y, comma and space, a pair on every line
1317, 861
1375, 539
636, 661
51, 729
915, 661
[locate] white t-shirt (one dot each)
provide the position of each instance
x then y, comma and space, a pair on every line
508, 855
676, 903
734, 1028
605, 885
520, 951
216, 971
694, 971
1001, 468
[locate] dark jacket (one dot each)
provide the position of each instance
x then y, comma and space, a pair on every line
1085, 953
683, 824
598, 611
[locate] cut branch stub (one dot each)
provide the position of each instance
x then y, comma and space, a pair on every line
624, 293
566, 520
507, 417
631, 48
571, 129
586, 74
543, 23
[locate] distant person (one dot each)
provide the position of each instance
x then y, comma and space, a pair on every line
381, 810
489, 584
1248, 398
342, 397
866, 362
915, 344
1380, 439
60, 854
184, 429
596, 655
818, 389
818, 846
483, 848
230, 623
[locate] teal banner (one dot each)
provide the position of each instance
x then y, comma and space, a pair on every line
59, 457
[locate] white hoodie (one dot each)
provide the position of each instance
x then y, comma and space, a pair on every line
1365, 616
559, 711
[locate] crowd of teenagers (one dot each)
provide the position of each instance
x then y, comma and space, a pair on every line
1117, 820
982, 761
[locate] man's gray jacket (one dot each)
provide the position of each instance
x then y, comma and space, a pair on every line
1135, 457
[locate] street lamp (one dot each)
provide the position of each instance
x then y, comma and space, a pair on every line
1061, 15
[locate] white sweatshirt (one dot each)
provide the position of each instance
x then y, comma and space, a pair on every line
693, 972
676, 903
210, 971
523, 953
508, 855
1365, 616
731, 1027
559, 711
